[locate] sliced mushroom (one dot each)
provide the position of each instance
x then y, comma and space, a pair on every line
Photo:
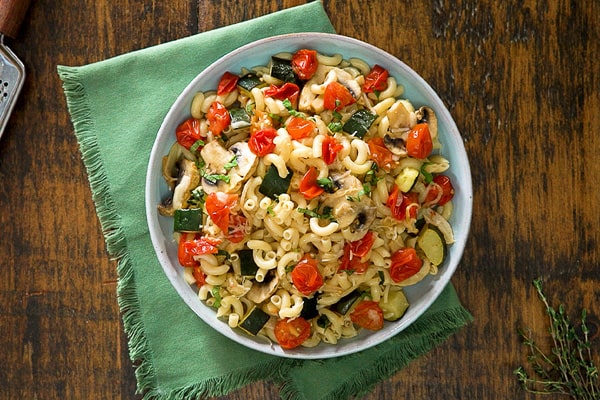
262, 291
353, 211
190, 178
216, 157
426, 114
170, 163
396, 145
399, 115
346, 79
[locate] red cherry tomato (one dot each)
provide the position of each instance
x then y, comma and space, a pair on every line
443, 183
288, 91
305, 63
309, 186
376, 80
188, 133
218, 118
237, 228
218, 206
291, 333
352, 262
199, 276
362, 246
330, 149
405, 263
382, 156
403, 205
418, 143
306, 276
367, 314
261, 142
299, 128
337, 96
227, 83
191, 245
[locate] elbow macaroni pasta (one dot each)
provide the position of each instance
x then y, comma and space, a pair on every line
351, 228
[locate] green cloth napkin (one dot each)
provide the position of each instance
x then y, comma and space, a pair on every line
117, 106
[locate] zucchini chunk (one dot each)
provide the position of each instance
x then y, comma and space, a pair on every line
359, 123
254, 321
309, 309
239, 118
282, 70
249, 82
406, 179
395, 306
273, 185
345, 303
187, 220
432, 243
247, 265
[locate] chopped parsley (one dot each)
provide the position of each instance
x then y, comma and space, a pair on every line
216, 293
326, 213
288, 106
427, 176
231, 164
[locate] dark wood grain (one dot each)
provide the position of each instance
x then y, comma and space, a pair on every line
521, 78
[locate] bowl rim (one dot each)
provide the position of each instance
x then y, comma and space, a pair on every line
160, 242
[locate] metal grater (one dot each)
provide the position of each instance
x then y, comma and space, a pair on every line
12, 70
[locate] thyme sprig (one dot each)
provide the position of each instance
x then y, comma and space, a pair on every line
569, 369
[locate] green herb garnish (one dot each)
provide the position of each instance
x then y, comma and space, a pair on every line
335, 126
288, 106
569, 369
197, 144
216, 293
231, 164
427, 176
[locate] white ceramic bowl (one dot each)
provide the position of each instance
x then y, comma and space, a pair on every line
420, 296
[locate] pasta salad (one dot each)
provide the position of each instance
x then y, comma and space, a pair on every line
305, 194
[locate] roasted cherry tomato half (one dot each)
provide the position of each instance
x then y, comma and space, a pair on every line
218, 206
440, 183
330, 149
261, 142
382, 156
367, 314
309, 186
191, 245
299, 128
405, 263
305, 63
306, 276
403, 205
288, 91
291, 333
337, 96
218, 118
227, 84
418, 143
376, 80
188, 133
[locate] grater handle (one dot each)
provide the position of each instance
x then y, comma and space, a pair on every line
12, 13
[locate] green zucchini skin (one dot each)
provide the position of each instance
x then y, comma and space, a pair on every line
247, 265
187, 220
345, 303
282, 70
254, 321
359, 123
309, 309
273, 185
249, 81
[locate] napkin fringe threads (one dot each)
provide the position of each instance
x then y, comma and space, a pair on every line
114, 235
116, 244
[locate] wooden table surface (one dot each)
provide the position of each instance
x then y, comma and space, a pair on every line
522, 80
